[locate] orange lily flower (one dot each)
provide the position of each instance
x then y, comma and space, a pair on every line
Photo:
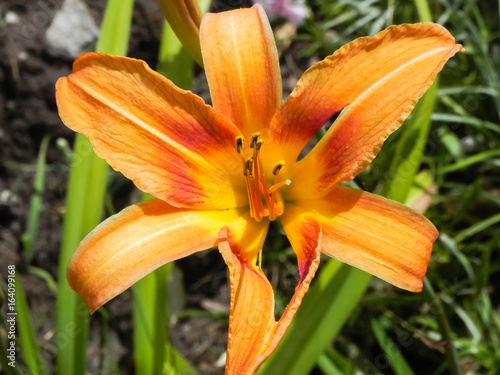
220, 174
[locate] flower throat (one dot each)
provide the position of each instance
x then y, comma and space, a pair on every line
264, 200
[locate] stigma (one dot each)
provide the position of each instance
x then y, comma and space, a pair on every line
265, 199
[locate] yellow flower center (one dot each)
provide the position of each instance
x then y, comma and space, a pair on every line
263, 200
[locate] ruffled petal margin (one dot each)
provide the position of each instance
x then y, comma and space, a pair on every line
378, 81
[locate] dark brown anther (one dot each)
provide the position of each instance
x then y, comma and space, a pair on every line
248, 169
239, 143
277, 167
255, 138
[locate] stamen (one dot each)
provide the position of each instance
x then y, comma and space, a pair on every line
258, 146
263, 201
260, 182
239, 143
277, 167
275, 209
255, 137
248, 169
278, 185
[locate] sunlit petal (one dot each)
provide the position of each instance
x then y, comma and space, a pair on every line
379, 80
375, 234
163, 138
304, 234
136, 241
242, 67
252, 305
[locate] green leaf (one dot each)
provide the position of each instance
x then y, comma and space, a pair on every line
327, 366
30, 350
391, 350
477, 227
410, 147
115, 28
150, 322
424, 11
474, 159
36, 202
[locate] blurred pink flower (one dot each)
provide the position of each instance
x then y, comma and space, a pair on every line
294, 11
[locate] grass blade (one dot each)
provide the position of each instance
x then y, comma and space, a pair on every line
444, 327
481, 125
424, 11
115, 28
30, 350
410, 146
36, 202
477, 227
392, 352
148, 360
477, 158
327, 366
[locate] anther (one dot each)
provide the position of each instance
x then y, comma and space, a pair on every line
255, 137
257, 147
277, 167
239, 143
248, 169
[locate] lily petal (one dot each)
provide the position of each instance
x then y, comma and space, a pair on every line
252, 308
243, 72
253, 332
184, 16
304, 234
136, 241
378, 81
165, 139
375, 234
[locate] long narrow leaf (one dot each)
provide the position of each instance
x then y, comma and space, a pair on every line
144, 308
409, 150
30, 349
470, 161
392, 352
477, 227
28, 342
36, 202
